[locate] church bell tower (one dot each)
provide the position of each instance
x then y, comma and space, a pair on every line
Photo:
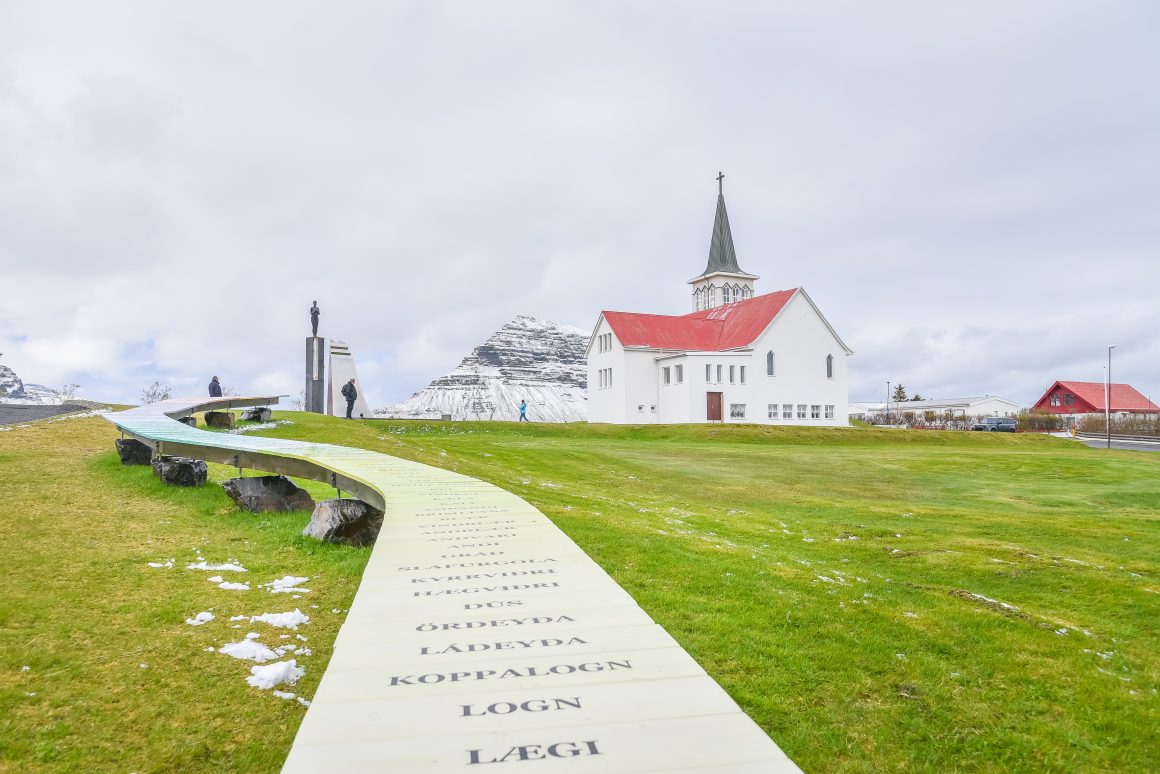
723, 281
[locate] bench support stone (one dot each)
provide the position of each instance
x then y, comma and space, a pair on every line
219, 419
345, 520
180, 471
263, 494
260, 414
133, 452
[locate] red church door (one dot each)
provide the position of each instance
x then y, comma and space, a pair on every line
713, 406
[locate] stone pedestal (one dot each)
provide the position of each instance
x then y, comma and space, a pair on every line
348, 521
314, 399
133, 452
260, 414
219, 419
180, 471
268, 493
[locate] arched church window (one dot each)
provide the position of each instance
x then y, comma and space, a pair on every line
736, 293
829, 366
746, 291
697, 299
769, 363
725, 294
710, 296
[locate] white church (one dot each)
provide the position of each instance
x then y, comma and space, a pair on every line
768, 359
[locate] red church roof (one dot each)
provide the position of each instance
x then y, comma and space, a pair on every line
712, 330
1124, 398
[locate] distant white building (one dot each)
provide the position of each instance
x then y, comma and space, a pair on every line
737, 357
979, 406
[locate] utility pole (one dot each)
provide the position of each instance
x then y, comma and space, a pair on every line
1108, 398
887, 402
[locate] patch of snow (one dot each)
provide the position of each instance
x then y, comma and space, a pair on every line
290, 620
199, 619
248, 650
228, 586
166, 564
1003, 605
304, 702
282, 694
266, 677
263, 426
215, 579
237, 617
227, 567
286, 584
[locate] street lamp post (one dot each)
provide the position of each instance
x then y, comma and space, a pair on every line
888, 402
1108, 398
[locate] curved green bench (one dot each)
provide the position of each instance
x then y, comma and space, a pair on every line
481, 635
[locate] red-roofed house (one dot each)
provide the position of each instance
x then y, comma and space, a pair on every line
738, 357
1074, 398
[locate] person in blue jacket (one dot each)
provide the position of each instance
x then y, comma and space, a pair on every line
523, 411
215, 388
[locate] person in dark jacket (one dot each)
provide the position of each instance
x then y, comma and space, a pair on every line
215, 388
350, 393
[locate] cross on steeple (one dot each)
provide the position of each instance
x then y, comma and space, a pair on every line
720, 185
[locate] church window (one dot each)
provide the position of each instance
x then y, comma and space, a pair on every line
732, 374
773, 411
725, 294
665, 374
746, 292
801, 411
769, 363
742, 370
708, 373
829, 411
787, 411
710, 296
737, 411
679, 373
829, 366
736, 293
815, 411
720, 370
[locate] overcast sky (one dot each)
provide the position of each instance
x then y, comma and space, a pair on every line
969, 191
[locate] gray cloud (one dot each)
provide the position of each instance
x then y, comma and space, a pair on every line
968, 192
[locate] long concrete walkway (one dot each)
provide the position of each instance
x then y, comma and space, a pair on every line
481, 635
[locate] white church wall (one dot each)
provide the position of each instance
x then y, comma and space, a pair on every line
641, 388
800, 341
606, 402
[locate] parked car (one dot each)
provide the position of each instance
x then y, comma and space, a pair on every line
995, 424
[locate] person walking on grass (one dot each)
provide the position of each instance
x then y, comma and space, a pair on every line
350, 393
215, 388
523, 411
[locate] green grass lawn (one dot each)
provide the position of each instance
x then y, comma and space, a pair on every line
874, 599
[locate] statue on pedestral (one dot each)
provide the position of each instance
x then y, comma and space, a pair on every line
314, 317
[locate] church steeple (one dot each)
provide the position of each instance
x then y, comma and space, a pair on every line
722, 256
723, 281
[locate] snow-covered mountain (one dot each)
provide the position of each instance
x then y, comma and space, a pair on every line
528, 359
13, 390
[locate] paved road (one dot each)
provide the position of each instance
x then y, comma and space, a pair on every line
1098, 443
